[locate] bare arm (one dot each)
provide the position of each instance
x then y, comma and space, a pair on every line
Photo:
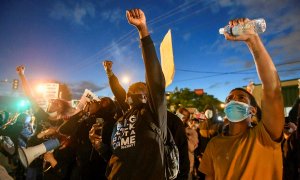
115, 86
25, 86
272, 102
209, 177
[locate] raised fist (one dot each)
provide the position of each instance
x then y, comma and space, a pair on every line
107, 65
20, 70
136, 17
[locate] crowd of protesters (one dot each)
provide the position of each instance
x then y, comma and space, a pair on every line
114, 139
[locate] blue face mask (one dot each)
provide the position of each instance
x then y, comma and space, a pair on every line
236, 111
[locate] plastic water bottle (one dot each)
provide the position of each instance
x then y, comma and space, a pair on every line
256, 25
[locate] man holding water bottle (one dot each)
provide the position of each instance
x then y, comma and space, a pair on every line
247, 152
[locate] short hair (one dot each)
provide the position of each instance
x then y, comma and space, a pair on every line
138, 86
252, 101
65, 105
109, 106
182, 109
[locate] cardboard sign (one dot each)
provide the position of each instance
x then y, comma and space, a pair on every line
86, 97
167, 59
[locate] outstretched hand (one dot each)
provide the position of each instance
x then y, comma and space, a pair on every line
20, 70
136, 17
243, 37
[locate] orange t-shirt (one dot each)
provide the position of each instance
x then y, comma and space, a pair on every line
249, 155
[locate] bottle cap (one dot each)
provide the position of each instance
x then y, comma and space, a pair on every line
221, 30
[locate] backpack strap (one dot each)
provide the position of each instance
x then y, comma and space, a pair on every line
155, 129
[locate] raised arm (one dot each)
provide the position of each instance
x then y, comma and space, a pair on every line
25, 86
115, 86
272, 102
154, 76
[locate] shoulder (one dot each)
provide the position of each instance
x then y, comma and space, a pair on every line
260, 132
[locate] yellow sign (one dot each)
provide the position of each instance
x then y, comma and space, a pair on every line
167, 59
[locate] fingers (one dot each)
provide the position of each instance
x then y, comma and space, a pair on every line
20, 69
94, 138
96, 126
92, 132
137, 13
48, 156
134, 13
46, 133
229, 37
241, 21
107, 63
238, 21
86, 107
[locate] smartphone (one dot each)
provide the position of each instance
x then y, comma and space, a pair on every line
99, 122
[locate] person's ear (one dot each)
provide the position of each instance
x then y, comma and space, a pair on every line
252, 110
144, 100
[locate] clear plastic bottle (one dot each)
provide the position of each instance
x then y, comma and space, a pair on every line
258, 25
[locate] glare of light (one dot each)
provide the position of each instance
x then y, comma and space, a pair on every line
22, 103
222, 105
41, 88
125, 80
220, 118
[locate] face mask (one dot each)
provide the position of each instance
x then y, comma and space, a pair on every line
290, 130
53, 115
236, 111
136, 99
208, 114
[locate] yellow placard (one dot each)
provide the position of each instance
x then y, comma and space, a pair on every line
167, 58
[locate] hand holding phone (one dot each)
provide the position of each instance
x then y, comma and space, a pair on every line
99, 123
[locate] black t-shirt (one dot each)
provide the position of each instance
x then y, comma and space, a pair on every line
136, 149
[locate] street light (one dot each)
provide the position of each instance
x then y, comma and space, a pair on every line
126, 80
15, 84
41, 88
222, 105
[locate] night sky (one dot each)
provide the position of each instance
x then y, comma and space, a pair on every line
67, 40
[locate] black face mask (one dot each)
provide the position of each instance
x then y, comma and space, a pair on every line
136, 99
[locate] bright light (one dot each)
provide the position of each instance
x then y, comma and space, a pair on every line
222, 105
41, 88
23, 103
126, 80
220, 118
